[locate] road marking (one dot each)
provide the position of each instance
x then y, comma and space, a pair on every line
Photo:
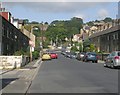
24, 69
12, 82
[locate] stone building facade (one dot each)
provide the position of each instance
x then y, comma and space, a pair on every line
107, 39
11, 38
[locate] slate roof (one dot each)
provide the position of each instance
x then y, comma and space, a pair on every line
112, 29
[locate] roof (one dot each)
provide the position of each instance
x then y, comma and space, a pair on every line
21, 21
112, 29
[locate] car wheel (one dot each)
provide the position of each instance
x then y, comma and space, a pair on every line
96, 61
105, 65
85, 60
112, 66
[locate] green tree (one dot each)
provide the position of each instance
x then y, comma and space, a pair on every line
86, 45
35, 54
90, 23
74, 49
92, 48
107, 19
34, 22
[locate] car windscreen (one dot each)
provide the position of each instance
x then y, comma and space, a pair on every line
94, 54
52, 53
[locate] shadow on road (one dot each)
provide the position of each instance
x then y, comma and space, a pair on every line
6, 81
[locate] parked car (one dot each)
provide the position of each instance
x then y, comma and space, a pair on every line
53, 55
113, 59
80, 55
70, 54
46, 56
90, 56
67, 54
73, 55
63, 52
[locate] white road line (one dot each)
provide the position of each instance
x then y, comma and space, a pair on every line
12, 82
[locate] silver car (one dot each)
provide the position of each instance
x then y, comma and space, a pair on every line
113, 60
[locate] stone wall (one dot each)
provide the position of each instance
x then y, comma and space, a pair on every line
10, 62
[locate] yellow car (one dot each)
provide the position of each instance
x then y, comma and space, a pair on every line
46, 56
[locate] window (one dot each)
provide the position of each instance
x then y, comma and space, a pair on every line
108, 37
108, 48
8, 33
7, 47
113, 54
114, 37
3, 30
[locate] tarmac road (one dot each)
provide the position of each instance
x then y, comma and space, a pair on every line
64, 75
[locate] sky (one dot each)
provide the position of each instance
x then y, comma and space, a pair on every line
50, 11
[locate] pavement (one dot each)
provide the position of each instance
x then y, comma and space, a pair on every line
19, 80
29, 65
101, 61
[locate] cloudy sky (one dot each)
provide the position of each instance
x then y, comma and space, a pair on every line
50, 11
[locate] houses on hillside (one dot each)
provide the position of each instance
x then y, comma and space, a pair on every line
105, 36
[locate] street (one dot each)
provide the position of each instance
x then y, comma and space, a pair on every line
46, 47
64, 75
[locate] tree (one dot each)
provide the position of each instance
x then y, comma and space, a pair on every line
74, 49
61, 29
90, 23
107, 19
34, 22
46, 22
86, 45
26, 21
92, 48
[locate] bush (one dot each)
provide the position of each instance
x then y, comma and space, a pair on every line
35, 55
19, 53
74, 49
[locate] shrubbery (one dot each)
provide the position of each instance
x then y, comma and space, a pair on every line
74, 49
35, 54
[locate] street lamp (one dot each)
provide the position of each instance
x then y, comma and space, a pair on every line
43, 27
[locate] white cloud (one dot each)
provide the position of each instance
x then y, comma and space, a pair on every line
54, 7
102, 13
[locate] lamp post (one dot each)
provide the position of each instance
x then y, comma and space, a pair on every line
43, 27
